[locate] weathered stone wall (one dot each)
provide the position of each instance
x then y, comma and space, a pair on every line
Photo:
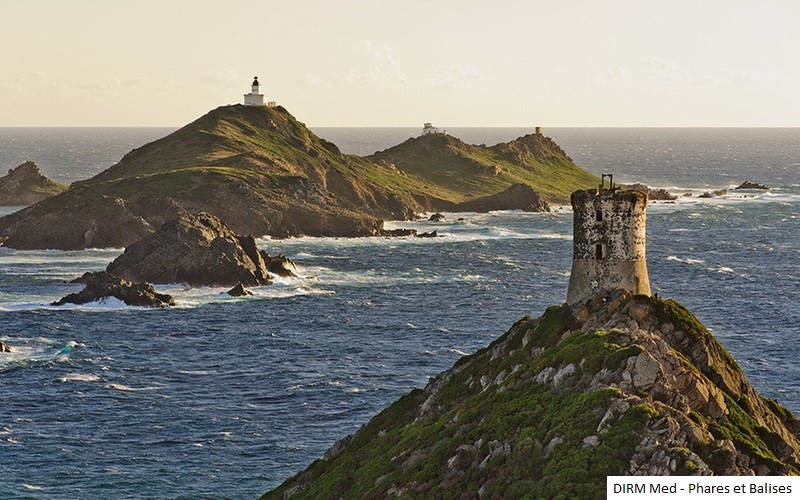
608, 243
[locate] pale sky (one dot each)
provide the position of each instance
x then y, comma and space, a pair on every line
515, 63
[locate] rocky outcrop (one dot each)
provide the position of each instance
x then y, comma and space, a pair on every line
103, 285
4, 347
81, 219
619, 385
239, 291
26, 185
517, 197
713, 194
194, 249
437, 217
653, 194
751, 185
280, 265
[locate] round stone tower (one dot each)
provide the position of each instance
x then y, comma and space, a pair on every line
608, 249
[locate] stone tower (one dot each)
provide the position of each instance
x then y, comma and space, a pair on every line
608, 248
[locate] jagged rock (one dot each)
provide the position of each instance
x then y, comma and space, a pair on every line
517, 197
26, 185
4, 347
653, 194
751, 185
633, 385
199, 250
713, 194
103, 285
398, 233
280, 265
430, 234
437, 217
239, 291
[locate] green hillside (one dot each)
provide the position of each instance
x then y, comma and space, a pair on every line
455, 171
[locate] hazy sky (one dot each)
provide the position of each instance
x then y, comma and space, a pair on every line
401, 63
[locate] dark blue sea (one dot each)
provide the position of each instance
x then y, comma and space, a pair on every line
226, 397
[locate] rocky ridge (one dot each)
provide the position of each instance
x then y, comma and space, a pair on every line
620, 385
26, 185
456, 172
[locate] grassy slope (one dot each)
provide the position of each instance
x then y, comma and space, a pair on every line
456, 171
407, 446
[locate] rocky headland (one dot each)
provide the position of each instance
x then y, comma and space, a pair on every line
26, 185
517, 197
619, 385
266, 173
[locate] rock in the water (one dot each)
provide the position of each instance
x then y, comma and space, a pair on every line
4, 347
516, 197
713, 194
103, 285
25, 185
751, 185
437, 217
398, 233
199, 250
653, 194
280, 265
430, 234
239, 291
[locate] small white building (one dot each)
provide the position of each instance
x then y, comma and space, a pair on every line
255, 97
430, 129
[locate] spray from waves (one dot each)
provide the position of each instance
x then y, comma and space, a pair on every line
35, 351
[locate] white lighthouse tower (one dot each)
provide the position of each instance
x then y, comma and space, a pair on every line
255, 97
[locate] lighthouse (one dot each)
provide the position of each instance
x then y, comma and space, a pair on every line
608, 245
255, 97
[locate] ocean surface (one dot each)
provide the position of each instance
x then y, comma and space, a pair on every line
226, 397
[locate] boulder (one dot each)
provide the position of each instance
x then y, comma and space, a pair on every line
4, 347
751, 185
517, 197
199, 250
437, 217
103, 285
239, 291
430, 234
280, 264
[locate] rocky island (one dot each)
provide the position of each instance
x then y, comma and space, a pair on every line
26, 185
196, 250
265, 173
614, 382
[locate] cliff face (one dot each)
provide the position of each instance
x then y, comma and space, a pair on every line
620, 386
26, 185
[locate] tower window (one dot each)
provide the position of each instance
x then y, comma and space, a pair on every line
598, 215
598, 251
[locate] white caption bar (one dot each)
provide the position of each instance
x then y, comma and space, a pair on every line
750, 487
